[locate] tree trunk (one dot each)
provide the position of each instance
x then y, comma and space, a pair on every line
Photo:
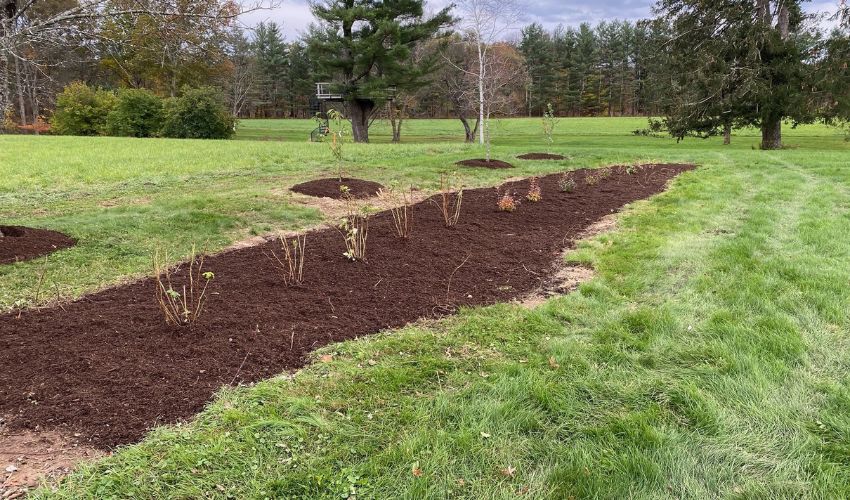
20, 88
771, 133
361, 111
481, 77
5, 96
468, 131
727, 134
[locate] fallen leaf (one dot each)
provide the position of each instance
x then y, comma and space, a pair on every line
508, 471
326, 358
461, 482
417, 472
485, 435
372, 362
553, 364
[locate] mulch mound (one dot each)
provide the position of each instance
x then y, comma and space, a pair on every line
483, 163
108, 368
25, 243
541, 156
331, 188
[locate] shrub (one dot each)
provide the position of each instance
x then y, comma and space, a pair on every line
355, 227
449, 205
82, 110
291, 263
399, 205
137, 113
535, 194
566, 183
181, 308
507, 203
198, 114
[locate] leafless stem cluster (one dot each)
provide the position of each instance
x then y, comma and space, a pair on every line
355, 229
181, 309
449, 203
399, 205
291, 261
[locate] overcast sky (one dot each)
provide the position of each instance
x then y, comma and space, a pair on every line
294, 15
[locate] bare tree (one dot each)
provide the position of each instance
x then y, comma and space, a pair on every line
486, 22
502, 93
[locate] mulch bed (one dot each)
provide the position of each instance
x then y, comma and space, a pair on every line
541, 156
330, 188
483, 163
108, 368
25, 243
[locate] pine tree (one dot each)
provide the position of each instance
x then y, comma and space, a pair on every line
739, 63
537, 48
365, 47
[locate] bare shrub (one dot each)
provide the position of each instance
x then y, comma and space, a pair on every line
449, 204
181, 309
355, 227
290, 262
399, 205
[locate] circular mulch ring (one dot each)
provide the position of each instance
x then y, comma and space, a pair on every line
24, 243
482, 163
330, 188
541, 156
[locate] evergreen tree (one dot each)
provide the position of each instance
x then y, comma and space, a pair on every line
366, 45
537, 48
739, 62
271, 66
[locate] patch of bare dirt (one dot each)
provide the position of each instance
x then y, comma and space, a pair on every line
29, 458
566, 278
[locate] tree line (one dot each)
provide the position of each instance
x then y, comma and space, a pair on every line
702, 67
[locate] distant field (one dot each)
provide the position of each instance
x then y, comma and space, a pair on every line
708, 358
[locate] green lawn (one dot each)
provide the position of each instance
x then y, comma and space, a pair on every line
709, 358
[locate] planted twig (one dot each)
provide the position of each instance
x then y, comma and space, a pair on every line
181, 309
399, 205
449, 205
449, 286
291, 262
355, 228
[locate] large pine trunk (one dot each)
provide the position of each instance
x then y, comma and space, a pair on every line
727, 134
771, 133
361, 111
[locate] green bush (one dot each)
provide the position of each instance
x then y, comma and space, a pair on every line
198, 114
138, 113
82, 110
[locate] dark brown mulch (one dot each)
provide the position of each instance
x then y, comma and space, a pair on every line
25, 243
483, 163
331, 188
541, 156
108, 368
